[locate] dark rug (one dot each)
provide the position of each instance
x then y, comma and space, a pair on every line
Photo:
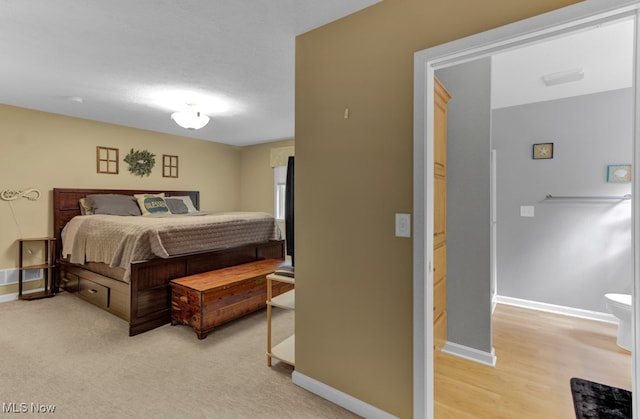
598, 401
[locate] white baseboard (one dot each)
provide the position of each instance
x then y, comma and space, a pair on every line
552, 308
472, 354
8, 297
14, 296
338, 397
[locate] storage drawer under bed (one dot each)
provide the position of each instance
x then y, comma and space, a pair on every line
107, 293
69, 282
94, 293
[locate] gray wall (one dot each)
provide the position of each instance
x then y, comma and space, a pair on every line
468, 204
571, 252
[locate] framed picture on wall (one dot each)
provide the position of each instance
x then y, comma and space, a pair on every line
107, 160
542, 151
620, 173
169, 165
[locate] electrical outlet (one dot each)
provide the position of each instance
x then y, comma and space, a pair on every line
403, 225
527, 211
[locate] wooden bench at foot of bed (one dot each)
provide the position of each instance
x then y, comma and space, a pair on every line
207, 300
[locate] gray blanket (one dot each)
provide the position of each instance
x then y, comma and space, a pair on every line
118, 241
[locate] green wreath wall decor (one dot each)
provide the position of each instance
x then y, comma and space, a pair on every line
140, 162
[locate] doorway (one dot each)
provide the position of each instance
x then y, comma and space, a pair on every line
565, 227
553, 24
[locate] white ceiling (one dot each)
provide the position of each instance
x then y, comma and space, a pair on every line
604, 53
133, 63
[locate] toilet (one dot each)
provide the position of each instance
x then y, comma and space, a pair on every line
620, 306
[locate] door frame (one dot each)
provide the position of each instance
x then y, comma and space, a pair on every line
545, 26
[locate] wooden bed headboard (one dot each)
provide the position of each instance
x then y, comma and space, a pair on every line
66, 205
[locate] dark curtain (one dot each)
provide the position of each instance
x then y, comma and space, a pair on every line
288, 208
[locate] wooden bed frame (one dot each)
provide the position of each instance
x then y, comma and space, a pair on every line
145, 302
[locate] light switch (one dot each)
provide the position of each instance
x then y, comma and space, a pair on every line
526, 211
403, 225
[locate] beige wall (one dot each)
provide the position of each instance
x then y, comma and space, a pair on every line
256, 179
256, 176
354, 277
43, 150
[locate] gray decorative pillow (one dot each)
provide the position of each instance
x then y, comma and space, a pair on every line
187, 201
176, 206
113, 204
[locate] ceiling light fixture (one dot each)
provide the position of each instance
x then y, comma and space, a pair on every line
563, 77
190, 119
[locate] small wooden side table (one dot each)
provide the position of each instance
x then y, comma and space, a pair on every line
48, 249
285, 350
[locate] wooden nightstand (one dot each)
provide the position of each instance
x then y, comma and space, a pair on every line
285, 350
48, 250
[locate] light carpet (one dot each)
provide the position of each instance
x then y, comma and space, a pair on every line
66, 353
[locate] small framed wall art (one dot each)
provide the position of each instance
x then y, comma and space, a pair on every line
542, 151
169, 165
620, 173
107, 160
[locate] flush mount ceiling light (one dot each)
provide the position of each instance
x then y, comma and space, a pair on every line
190, 118
563, 77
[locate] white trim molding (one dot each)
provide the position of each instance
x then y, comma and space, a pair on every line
5, 298
471, 354
338, 397
8, 297
552, 308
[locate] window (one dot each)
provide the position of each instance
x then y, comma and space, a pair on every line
280, 185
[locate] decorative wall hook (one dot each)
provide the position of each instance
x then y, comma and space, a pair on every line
31, 194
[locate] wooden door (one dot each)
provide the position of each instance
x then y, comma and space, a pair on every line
441, 98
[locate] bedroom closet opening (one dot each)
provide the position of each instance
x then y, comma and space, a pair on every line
534, 178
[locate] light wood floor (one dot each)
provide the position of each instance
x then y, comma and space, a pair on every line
537, 354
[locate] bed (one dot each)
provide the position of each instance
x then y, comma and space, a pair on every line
137, 288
